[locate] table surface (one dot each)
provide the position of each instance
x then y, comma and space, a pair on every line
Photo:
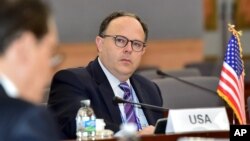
174, 137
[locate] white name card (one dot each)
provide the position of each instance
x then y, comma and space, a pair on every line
198, 119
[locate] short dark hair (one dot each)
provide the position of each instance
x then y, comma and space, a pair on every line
18, 16
105, 23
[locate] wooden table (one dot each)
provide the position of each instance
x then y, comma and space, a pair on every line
174, 137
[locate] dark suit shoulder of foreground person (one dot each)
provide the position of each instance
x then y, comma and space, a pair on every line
72, 85
24, 121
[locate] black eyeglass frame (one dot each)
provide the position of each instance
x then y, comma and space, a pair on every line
127, 40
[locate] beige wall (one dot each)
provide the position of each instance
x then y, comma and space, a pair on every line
167, 54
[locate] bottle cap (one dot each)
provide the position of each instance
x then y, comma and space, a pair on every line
85, 102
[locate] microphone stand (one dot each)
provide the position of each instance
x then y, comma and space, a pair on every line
184, 81
119, 100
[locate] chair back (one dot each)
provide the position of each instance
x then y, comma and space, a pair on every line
149, 74
184, 72
177, 94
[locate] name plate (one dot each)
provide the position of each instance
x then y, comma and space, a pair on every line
198, 119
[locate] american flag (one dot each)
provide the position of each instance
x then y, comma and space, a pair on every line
231, 84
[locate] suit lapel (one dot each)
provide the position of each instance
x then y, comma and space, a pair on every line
107, 95
141, 95
106, 92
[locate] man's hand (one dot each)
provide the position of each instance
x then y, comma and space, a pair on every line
149, 130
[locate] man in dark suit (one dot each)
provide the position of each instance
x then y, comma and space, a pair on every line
120, 45
27, 39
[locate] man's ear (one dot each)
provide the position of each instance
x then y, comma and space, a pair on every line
21, 49
99, 43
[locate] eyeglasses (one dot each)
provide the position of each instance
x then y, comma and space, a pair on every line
122, 41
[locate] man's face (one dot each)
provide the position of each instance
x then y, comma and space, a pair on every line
121, 62
41, 67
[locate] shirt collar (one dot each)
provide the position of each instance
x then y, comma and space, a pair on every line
8, 86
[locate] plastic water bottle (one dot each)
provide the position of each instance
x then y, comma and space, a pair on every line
85, 122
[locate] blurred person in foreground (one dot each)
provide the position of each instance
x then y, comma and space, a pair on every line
121, 44
28, 39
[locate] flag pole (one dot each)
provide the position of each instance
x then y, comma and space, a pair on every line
231, 84
233, 119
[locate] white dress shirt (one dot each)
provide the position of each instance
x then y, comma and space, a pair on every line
114, 82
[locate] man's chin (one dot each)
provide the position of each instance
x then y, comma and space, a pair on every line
127, 72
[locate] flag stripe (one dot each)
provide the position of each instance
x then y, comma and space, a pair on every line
228, 92
234, 76
231, 100
231, 104
228, 75
231, 86
231, 73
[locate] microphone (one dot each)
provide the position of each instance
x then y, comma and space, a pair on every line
153, 107
159, 72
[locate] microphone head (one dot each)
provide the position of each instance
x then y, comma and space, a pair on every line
118, 100
159, 72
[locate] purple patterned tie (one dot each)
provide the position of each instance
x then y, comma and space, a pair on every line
129, 108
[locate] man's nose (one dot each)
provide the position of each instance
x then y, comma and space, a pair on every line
128, 47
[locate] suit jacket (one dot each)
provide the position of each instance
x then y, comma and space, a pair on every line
23, 121
70, 86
